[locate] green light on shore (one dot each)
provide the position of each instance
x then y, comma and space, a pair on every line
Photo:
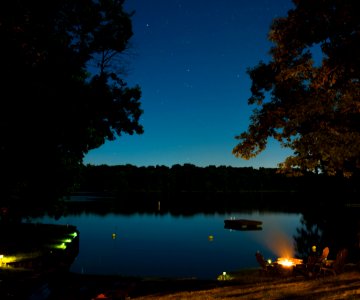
74, 234
61, 246
67, 240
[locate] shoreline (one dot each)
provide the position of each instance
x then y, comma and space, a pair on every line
244, 283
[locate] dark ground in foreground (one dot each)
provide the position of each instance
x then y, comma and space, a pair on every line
247, 284
244, 284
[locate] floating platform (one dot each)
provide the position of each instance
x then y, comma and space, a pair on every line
243, 224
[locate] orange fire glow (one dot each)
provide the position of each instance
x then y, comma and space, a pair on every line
279, 242
288, 262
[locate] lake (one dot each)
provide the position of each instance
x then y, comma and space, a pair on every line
166, 245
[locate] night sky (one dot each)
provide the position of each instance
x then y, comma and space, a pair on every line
190, 59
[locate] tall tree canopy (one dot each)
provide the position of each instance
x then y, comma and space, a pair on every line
53, 110
310, 106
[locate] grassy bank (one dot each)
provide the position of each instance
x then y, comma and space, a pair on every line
247, 284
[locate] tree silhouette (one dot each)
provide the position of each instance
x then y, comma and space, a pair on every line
309, 105
54, 110
321, 227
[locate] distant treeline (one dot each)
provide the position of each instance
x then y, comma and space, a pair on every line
122, 179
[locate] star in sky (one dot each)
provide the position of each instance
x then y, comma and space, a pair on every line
190, 60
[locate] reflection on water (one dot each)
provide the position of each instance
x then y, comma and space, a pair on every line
176, 246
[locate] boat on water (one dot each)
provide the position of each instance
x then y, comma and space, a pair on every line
37, 247
33, 257
243, 224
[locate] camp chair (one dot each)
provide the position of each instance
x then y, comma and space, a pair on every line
337, 265
320, 261
266, 267
325, 254
313, 264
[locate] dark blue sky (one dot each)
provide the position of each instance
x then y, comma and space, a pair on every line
190, 59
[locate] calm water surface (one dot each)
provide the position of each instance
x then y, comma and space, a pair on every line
175, 246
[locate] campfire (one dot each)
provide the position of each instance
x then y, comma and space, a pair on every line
282, 246
288, 262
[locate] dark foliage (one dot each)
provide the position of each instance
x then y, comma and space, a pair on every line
307, 95
53, 110
123, 179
